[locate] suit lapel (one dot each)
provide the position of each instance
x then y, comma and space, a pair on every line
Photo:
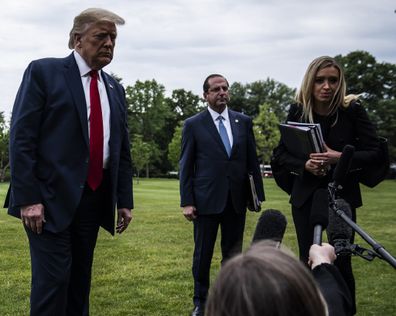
114, 109
73, 81
235, 125
212, 129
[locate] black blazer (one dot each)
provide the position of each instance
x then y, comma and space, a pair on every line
49, 146
352, 127
207, 174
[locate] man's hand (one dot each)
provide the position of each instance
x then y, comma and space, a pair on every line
124, 217
189, 212
32, 217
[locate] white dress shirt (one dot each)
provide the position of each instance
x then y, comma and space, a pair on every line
226, 122
104, 102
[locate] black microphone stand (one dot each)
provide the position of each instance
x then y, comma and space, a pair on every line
378, 250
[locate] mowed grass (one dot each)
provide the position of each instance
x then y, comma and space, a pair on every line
147, 270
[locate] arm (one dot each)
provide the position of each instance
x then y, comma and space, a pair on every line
367, 145
330, 281
253, 164
24, 140
124, 186
366, 141
186, 167
24, 137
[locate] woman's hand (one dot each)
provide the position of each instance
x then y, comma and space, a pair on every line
329, 157
319, 163
316, 167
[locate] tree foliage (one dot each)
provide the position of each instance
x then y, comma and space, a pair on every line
4, 152
175, 147
148, 113
248, 98
141, 153
266, 132
155, 119
377, 82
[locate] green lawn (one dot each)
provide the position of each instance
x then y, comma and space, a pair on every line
147, 270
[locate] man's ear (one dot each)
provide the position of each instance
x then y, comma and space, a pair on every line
205, 94
77, 40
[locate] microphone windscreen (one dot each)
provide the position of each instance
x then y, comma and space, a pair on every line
338, 228
343, 164
270, 225
320, 209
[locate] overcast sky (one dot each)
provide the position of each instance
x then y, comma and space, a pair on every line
179, 42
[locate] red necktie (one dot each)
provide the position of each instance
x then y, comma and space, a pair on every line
95, 171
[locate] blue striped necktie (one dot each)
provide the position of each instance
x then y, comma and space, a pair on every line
224, 135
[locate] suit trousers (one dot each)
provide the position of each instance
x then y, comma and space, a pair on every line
62, 262
304, 231
232, 226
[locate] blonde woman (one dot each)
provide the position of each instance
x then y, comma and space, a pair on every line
321, 99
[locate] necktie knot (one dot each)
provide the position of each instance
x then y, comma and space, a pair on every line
94, 74
220, 118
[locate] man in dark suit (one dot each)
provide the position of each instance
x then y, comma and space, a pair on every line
218, 151
70, 163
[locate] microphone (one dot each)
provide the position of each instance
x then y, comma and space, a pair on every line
343, 165
339, 233
271, 225
319, 214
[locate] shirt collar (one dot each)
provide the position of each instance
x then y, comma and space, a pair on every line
215, 115
83, 67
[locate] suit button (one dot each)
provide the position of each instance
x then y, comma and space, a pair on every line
82, 186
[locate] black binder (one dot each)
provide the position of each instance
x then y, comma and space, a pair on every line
301, 139
253, 204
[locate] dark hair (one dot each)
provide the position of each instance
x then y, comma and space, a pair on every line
265, 281
206, 85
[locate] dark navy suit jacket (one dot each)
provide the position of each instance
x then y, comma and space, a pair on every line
49, 145
207, 174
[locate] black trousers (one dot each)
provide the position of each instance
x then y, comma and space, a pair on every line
62, 262
232, 226
304, 233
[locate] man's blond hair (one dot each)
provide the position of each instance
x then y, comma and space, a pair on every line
89, 16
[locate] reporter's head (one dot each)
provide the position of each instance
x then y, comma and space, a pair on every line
265, 281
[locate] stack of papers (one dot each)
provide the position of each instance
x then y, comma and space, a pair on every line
302, 139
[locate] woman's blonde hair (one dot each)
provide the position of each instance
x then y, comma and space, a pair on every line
305, 94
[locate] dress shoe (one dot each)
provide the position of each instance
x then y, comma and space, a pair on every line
198, 311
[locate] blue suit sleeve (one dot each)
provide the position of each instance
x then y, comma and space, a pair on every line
24, 137
186, 166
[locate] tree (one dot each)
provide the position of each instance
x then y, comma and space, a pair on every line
266, 132
182, 105
248, 98
4, 142
141, 152
377, 82
174, 147
148, 114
